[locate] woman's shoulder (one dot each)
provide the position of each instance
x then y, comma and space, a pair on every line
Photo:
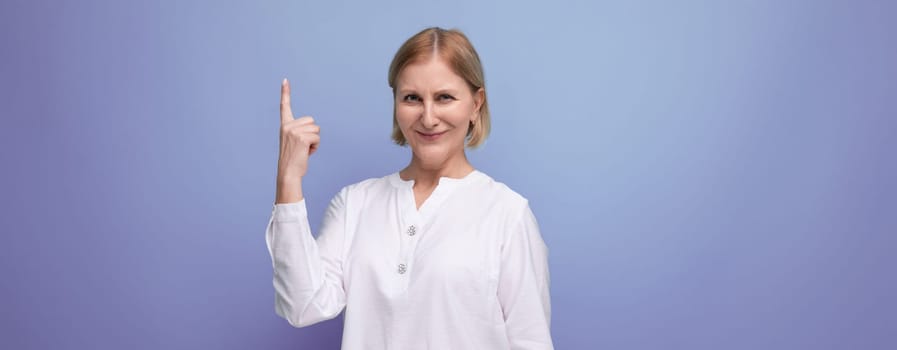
498, 200
367, 185
488, 187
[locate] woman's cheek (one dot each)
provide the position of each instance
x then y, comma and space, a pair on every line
461, 112
404, 116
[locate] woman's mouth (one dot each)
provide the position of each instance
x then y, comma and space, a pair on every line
432, 136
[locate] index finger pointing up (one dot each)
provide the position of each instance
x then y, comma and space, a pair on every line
286, 113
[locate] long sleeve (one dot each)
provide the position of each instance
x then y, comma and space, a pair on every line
523, 288
308, 282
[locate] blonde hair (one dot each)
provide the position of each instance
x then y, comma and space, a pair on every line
456, 50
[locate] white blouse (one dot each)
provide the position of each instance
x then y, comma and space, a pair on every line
468, 270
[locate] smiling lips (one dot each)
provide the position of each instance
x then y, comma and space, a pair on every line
431, 136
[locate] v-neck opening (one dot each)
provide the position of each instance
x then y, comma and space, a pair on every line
443, 188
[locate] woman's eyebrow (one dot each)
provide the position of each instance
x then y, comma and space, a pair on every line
447, 90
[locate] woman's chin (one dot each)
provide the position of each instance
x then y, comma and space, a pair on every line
431, 156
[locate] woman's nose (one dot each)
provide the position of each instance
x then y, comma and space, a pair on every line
429, 119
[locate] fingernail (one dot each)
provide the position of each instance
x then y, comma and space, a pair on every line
284, 82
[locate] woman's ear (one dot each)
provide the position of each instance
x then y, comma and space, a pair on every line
478, 97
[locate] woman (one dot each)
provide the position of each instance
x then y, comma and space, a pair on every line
435, 256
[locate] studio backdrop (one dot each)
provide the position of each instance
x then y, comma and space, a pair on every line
706, 174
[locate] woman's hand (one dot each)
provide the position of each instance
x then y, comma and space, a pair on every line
299, 138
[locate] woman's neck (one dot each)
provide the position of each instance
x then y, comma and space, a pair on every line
428, 176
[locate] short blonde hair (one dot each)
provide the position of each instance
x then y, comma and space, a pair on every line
453, 47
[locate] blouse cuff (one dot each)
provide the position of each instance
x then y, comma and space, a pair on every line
287, 212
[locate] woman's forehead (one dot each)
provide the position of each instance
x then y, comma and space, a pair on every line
429, 74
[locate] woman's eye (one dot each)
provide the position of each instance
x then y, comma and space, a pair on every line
446, 97
411, 98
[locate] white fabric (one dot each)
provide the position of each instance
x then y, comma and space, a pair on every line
475, 277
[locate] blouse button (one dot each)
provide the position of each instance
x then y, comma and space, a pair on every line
402, 268
412, 230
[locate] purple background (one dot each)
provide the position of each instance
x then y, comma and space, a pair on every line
707, 174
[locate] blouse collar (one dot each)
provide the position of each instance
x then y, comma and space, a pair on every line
397, 180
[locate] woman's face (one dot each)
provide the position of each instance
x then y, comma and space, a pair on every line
434, 108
